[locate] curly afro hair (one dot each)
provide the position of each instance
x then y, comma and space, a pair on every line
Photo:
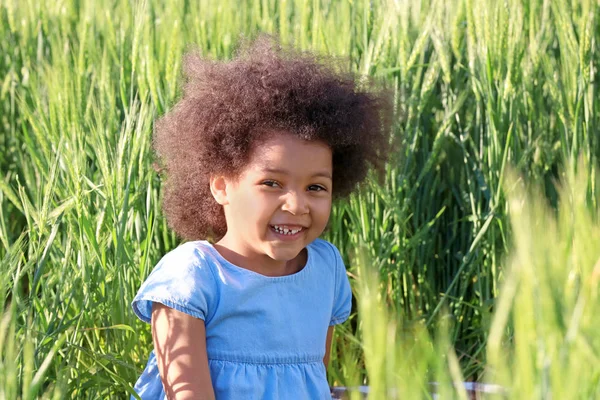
227, 108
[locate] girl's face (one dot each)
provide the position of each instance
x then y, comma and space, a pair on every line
278, 205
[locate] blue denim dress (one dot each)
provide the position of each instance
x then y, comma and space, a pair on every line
265, 336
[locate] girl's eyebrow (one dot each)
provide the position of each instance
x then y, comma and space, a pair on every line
323, 174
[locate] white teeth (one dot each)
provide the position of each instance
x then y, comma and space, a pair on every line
286, 231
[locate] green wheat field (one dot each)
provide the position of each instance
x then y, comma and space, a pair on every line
477, 258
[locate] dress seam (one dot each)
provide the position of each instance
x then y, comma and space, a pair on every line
338, 320
317, 360
169, 302
210, 313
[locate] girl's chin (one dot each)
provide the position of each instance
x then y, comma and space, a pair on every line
284, 253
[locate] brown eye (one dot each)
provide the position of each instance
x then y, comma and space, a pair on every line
317, 188
271, 183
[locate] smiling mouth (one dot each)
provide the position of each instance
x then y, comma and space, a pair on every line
287, 230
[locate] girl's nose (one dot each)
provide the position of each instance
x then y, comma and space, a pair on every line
295, 203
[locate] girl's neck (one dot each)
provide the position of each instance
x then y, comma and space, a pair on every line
260, 263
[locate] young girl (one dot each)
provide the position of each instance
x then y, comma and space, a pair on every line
253, 155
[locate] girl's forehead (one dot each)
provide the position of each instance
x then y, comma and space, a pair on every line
288, 143
287, 151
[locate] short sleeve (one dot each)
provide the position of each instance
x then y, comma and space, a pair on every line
342, 302
182, 280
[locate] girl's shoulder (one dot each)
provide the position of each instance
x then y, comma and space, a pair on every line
188, 252
184, 279
190, 258
333, 265
325, 252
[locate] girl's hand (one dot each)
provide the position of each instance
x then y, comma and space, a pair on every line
180, 347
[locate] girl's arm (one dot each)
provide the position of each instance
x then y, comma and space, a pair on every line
328, 346
180, 347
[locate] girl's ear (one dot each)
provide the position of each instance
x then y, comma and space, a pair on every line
218, 188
